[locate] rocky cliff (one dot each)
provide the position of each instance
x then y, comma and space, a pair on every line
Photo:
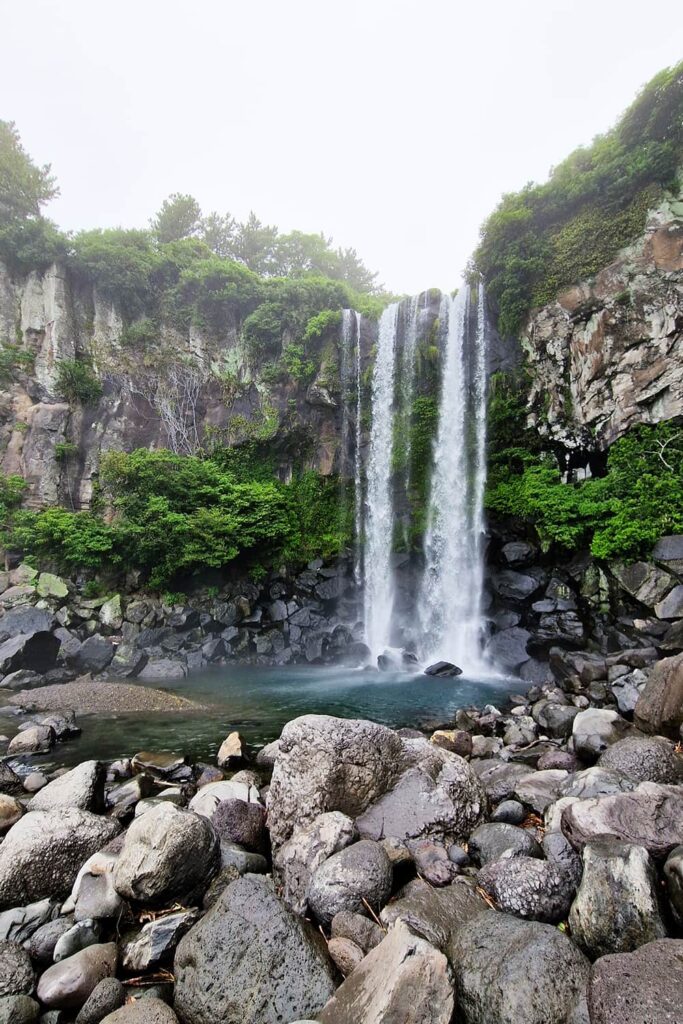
607, 354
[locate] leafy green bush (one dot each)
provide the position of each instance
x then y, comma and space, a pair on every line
549, 236
321, 323
13, 360
77, 382
12, 490
120, 264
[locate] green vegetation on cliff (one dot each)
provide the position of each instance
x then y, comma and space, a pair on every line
549, 236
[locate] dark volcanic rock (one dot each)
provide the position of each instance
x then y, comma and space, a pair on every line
16, 973
644, 759
650, 816
443, 669
35, 651
645, 987
251, 960
531, 888
492, 841
342, 882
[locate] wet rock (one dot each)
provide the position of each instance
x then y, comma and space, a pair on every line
67, 985
493, 841
105, 998
530, 888
10, 812
357, 873
558, 759
41, 945
20, 923
594, 730
16, 971
597, 781
402, 972
660, 705
456, 740
360, 930
235, 856
644, 581
673, 876
329, 764
555, 719
644, 987
19, 1009
82, 787
154, 864
508, 649
298, 859
650, 816
242, 823
434, 913
156, 941
37, 739
41, 854
79, 936
36, 652
509, 970
285, 976
508, 812
515, 586
518, 552
158, 669
94, 654
231, 751
499, 778
540, 789
644, 759
210, 796
616, 907
443, 670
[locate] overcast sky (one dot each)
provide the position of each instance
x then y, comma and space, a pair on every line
392, 125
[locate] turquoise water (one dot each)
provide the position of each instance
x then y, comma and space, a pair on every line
258, 701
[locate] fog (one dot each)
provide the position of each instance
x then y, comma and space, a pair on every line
392, 125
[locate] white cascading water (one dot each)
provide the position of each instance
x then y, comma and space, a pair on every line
357, 459
378, 589
449, 603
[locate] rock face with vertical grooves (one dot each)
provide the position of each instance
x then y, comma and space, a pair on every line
403, 979
251, 961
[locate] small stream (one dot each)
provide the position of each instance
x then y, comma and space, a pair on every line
258, 701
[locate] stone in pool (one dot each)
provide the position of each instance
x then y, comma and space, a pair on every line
443, 670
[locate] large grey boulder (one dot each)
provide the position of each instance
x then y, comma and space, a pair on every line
35, 651
208, 797
82, 787
237, 821
67, 985
539, 789
439, 798
358, 873
298, 859
434, 913
594, 730
329, 764
673, 875
508, 648
41, 854
16, 971
494, 840
644, 581
94, 654
509, 971
536, 889
660, 705
27, 620
644, 987
499, 778
36, 739
597, 781
616, 907
403, 979
644, 759
650, 816
251, 961
167, 853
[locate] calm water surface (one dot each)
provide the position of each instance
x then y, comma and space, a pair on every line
260, 700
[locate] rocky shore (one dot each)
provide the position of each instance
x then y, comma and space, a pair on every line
521, 864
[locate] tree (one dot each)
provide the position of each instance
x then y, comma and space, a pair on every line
255, 244
179, 217
220, 234
24, 186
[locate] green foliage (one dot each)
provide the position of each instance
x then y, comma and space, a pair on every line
27, 245
71, 540
140, 334
64, 450
12, 490
77, 382
549, 236
24, 186
120, 264
179, 217
296, 365
322, 323
14, 360
217, 292
620, 515
322, 523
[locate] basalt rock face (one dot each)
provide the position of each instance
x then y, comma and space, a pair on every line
608, 353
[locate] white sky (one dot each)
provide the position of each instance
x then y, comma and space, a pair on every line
393, 125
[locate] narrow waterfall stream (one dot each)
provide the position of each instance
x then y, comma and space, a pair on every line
444, 619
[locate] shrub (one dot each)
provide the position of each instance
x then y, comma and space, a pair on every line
77, 382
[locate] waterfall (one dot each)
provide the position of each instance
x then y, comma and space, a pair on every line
357, 460
449, 603
405, 394
379, 512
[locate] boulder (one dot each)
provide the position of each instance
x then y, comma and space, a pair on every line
111, 613
493, 841
660, 705
597, 781
41, 854
432, 913
673, 876
298, 859
67, 985
594, 730
10, 812
644, 759
644, 987
509, 812
508, 648
104, 999
555, 719
443, 670
515, 586
499, 778
36, 739
34, 651
402, 979
23, 679
650, 816
538, 790
644, 581
251, 961
82, 787
20, 923
627, 689
146, 1010
509, 971
28, 620
518, 552
156, 941
94, 654
616, 908
672, 605
241, 822
231, 751
329, 764
18, 1010
166, 853
531, 888
49, 585
358, 929
16, 971
358, 874
41, 945
456, 740
93, 895
210, 796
